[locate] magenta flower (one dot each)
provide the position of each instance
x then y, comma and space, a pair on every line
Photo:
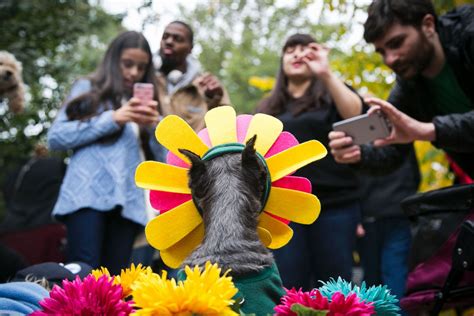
89, 297
349, 306
312, 299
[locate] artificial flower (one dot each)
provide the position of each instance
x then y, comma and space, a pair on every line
90, 296
128, 276
379, 296
337, 305
312, 299
203, 292
349, 306
97, 273
179, 228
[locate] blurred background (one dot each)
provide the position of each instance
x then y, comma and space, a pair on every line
238, 40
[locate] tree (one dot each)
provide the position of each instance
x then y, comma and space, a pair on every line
56, 41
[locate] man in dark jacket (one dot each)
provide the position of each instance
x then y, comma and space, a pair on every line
433, 98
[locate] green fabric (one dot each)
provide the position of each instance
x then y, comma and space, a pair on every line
261, 291
448, 95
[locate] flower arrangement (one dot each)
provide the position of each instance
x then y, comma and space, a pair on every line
339, 297
139, 291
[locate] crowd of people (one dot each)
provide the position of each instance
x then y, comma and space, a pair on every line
109, 132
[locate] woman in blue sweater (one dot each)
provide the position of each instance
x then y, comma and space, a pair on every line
109, 134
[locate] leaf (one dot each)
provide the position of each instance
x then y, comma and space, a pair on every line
302, 310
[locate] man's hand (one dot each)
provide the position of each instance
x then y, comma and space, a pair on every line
210, 85
343, 148
404, 128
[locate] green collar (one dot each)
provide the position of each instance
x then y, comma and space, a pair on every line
227, 148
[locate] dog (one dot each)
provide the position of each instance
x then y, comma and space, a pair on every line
11, 82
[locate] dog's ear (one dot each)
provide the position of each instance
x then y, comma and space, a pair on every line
198, 167
249, 157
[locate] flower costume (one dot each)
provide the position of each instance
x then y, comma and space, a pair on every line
179, 228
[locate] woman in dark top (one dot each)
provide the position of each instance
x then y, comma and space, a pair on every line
308, 98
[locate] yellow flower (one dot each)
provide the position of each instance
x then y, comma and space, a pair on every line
179, 228
262, 83
127, 277
204, 293
97, 273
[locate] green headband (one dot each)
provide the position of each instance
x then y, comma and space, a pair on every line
228, 148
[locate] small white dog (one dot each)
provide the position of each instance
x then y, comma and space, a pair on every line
11, 82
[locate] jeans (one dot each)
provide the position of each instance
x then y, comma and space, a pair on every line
100, 238
321, 250
384, 253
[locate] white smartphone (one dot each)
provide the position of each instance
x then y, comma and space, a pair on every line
365, 128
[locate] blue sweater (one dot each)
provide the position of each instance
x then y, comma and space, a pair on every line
100, 174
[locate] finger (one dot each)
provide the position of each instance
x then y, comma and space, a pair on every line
336, 134
134, 101
341, 143
373, 109
352, 157
314, 46
152, 104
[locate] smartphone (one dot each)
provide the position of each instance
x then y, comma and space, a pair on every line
365, 128
143, 91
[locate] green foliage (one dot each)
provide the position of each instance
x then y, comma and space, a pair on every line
240, 39
56, 41
302, 310
385, 304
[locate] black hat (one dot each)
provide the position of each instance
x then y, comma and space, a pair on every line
54, 272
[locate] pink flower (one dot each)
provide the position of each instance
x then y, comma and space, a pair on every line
312, 299
89, 297
349, 306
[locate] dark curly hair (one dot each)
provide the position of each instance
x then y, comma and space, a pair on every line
382, 14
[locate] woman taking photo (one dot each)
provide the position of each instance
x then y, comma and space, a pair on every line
308, 99
108, 133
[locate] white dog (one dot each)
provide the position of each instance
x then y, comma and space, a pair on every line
11, 82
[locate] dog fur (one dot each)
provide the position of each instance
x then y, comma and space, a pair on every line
228, 189
11, 82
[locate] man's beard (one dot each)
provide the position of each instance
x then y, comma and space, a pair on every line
168, 64
420, 59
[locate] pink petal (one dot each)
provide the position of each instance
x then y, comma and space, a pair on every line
243, 122
295, 183
278, 218
204, 136
284, 141
174, 160
165, 201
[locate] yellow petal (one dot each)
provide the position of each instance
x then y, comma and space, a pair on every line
293, 158
168, 228
267, 128
296, 206
221, 125
175, 255
281, 233
265, 236
174, 133
153, 175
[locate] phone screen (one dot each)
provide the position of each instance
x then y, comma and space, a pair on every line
143, 91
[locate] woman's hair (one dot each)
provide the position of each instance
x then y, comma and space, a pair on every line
107, 81
315, 96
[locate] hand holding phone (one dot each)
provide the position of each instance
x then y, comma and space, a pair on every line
143, 92
365, 128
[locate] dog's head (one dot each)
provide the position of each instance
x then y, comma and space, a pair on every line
10, 71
